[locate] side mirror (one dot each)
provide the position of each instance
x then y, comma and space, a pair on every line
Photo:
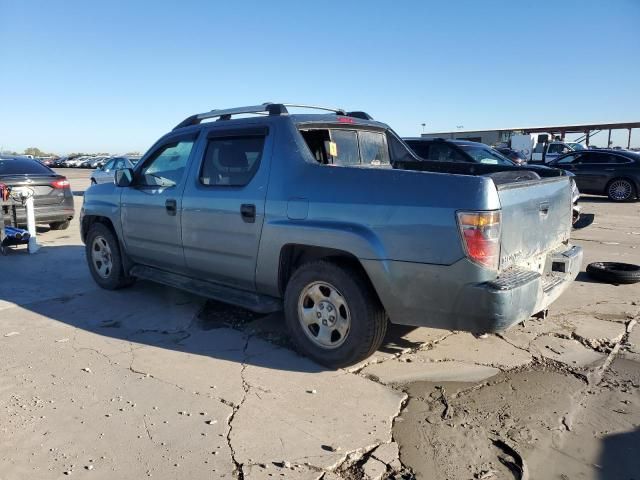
124, 177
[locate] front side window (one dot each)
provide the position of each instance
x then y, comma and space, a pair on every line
231, 161
373, 148
167, 165
109, 165
441, 152
567, 159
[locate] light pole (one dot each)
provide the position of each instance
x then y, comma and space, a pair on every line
423, 125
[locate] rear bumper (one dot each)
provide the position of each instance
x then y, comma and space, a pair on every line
47, 214
442, 296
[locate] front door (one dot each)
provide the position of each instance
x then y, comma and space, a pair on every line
223, 206
150, 208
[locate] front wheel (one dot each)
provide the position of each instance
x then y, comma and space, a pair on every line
333, 315
104, 259
621, 190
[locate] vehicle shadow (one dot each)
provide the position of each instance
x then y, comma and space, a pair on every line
596, 199
619, 457
55, 285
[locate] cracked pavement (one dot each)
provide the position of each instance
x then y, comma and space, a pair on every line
153, 382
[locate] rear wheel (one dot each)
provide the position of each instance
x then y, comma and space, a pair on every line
333, 315
621, 190
104, 259
59, 225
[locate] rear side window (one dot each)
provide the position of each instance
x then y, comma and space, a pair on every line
231, 161
618, 159
17, 166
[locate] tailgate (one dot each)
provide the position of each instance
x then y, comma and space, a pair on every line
536, 218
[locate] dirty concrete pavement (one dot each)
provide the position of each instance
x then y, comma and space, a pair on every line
152, 382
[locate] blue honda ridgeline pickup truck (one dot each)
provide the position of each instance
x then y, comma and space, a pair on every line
332, 218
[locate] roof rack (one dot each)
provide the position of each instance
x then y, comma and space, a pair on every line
268, 108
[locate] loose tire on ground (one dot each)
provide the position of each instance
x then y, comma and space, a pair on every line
103, 257
348, 291
614, 272
59, 225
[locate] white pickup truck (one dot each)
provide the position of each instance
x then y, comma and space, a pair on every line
540, 152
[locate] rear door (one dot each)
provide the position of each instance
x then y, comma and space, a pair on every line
592, 168
223, 205
150, 208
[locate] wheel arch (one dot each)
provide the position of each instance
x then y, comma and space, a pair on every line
89, 220
293, 255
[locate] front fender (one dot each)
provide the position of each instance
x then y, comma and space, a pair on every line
101, 200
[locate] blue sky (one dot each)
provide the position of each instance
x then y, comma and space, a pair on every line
114, 75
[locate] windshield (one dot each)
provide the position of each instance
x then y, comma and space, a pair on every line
577, 146
486, 155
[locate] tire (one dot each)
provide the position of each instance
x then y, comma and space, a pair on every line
614, 272
353, 302
108, 273
621, 190
59, 225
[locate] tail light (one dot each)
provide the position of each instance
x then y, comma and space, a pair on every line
480, 233
60, 183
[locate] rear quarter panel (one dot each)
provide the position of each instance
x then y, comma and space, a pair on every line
372, 213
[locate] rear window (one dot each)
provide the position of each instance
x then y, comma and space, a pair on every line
346, 147
18, 166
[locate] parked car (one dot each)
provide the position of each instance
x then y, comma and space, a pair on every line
512, 155
332, 218
614, 173
52, 196
442, 150
75, 161
59, 162
87, 162
105, 174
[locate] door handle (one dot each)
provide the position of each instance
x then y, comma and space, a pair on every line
544, 208
172, 206
248, 212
